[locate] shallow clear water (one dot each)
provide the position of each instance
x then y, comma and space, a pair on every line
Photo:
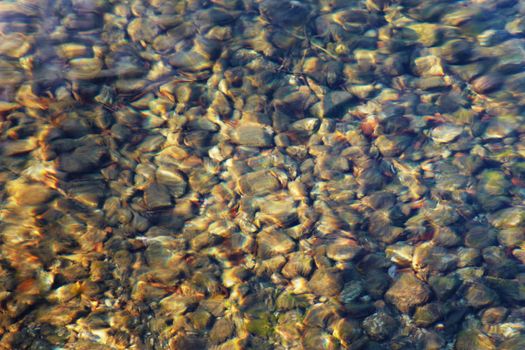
239, 174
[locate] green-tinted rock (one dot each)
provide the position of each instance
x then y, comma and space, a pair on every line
511, 237
516, 27
471, 339
261, 326
427, 314
464, 116
508, 218
444, 286
470, 274
493, 182
428, 34
287, 301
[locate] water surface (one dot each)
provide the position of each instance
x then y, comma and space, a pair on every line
240, 174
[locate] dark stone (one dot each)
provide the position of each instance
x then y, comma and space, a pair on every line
407, 292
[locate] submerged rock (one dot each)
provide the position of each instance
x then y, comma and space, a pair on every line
287, 12
326, 282
478, 295
428, 314
473, 339
407, 292
333, 105
82, 159
254, 135
501, 126
513, 343
380, 326
157, 197
446, 133
257, 174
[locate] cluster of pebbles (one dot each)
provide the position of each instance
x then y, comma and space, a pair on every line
262, 174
